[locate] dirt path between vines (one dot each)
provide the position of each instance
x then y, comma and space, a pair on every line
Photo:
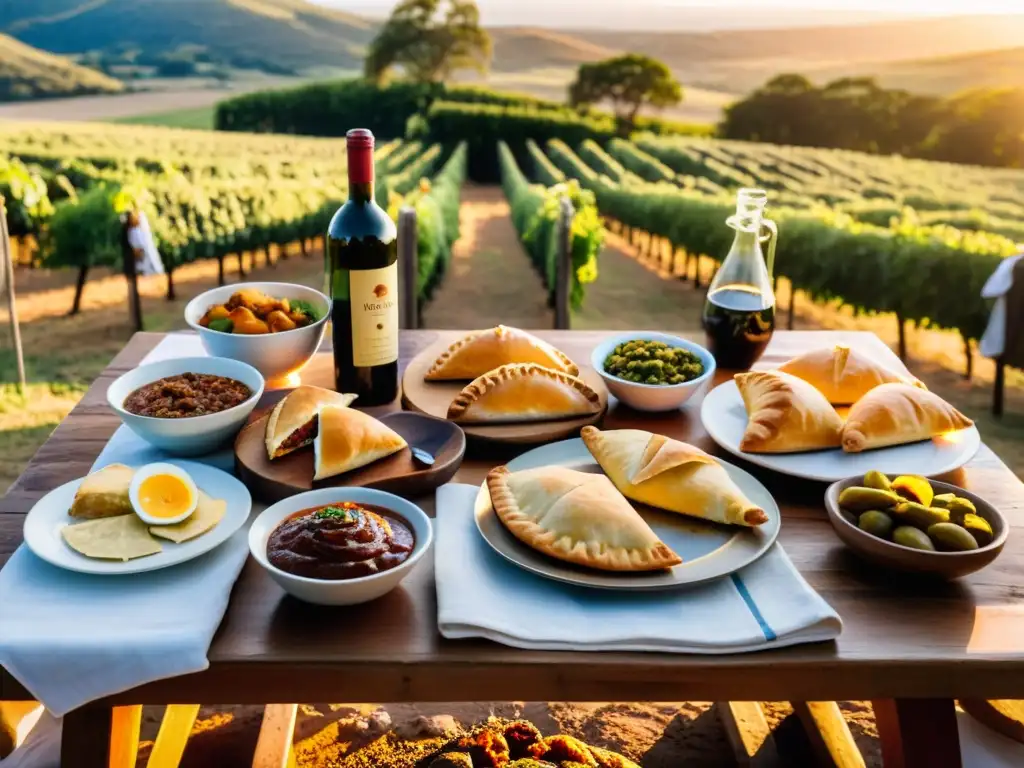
490, 279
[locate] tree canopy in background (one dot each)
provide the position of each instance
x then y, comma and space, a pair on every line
429, 40
629, 82
983, 127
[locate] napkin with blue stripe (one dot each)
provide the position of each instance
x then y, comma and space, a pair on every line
766, 605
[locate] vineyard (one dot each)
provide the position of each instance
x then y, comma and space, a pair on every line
208, 195
910, 237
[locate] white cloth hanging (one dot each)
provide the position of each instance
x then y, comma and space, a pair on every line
140, 238
996, 287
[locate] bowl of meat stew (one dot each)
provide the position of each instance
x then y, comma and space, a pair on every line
274, 327
187, 406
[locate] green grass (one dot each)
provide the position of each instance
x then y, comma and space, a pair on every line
200, 118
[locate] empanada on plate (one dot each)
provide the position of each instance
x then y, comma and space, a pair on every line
348, 439
843, 375
523, 392
894, 414
672, 475
293, 423
577, 517
483, 351
785, 414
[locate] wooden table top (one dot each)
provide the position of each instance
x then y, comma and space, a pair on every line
901, 639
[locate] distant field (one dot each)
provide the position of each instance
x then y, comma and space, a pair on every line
201, 118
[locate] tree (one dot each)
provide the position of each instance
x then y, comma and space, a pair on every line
629, 82
430, 39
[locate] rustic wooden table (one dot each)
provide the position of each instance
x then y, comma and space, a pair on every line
909, 646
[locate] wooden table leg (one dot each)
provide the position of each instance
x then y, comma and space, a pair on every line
85, 738
828, 734
918, 732
124, 736
748, 734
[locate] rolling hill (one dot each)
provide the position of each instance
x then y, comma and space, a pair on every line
28, 73
950, 74
282, 36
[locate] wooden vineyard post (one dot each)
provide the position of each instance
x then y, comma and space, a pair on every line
131, 277
902, 331
563, 263
169, 267
7, 286
220, 269
791, 310
969, 354
241, 264
408, 262
76, 305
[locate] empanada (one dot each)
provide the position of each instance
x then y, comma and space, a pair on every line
669, 474
785, 414
523, 392
483, 351
292, 423
578, 517
894, 414
841, 374
348, 439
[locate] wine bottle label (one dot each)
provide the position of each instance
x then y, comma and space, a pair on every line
373, 294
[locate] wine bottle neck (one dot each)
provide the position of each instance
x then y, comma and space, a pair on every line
360, 174
360, 192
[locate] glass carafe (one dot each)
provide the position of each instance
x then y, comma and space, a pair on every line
739, 310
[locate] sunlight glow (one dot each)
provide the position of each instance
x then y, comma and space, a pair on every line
951, 437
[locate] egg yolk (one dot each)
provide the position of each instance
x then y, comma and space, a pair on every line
164, 496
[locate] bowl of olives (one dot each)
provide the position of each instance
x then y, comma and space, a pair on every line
653, 371
909, 523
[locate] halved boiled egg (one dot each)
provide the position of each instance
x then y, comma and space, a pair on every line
163, 494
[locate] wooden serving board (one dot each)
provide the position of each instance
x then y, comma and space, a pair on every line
434, 397
272, 481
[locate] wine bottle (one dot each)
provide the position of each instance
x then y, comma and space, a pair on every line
362, 280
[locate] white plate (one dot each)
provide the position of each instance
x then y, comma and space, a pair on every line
725, 419
709, 551
44, 522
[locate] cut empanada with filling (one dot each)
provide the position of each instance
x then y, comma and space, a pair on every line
293, 423
483, 351
785, 414
669, 474
348, 439
523, 392
843, 375
577, 517
894, 414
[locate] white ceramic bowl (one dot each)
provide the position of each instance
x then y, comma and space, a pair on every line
340, 591
194, 435
652, 397
275, 355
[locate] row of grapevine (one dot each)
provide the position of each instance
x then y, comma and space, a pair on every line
858, 183
931, 275
268, 191
535, 214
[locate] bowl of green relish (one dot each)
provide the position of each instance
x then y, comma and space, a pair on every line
652, 371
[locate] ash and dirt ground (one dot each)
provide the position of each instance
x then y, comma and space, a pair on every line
490, 281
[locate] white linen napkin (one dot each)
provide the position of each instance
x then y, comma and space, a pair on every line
479, 594
72, 638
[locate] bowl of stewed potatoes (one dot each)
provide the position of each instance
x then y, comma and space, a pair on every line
274, 327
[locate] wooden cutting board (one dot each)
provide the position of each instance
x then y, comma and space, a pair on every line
272, 481
434, 397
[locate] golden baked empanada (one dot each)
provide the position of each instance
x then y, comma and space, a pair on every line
669, 474
785, 414
894, 414
578, 517
348, 439
483, 351
292, 423
523, 392
841, 374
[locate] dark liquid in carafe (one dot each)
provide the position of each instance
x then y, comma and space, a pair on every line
738, 325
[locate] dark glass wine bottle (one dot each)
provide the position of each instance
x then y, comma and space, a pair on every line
362, 280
